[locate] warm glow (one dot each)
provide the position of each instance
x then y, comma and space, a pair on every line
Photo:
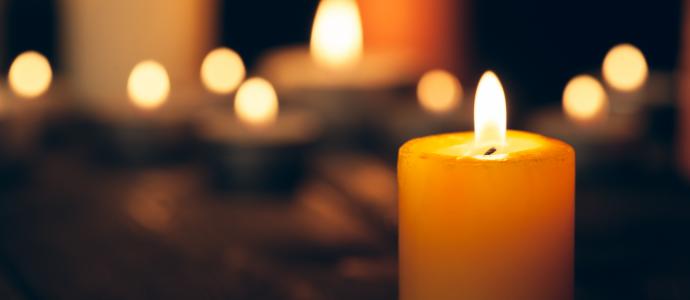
148, 85
584, 99
222, 71
256, 102
336, 37
489, 112
625, 68
439, 91
30, 74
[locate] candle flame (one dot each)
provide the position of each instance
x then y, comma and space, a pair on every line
222, 71
148, 85
336, 38
256, 102
439, 91
584, 99
30, 75
625, 68
489, 112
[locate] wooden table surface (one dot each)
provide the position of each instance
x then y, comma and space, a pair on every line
73, 229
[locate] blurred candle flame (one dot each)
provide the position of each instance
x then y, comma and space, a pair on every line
336, 38
256, 102
30, 75
439, 91
625, 68
222, 71
148, 85
490, 112
584, 99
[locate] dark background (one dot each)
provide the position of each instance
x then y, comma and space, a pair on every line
535, 45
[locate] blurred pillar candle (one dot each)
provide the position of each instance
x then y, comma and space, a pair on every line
403, 39
488, 215
430, 33
104, 39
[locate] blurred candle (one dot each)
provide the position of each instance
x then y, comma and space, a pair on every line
256, 103
335, 58
30, 78
436, 108
585, 121
430, 34
144, 128
30, 75
625, 70
585, 100
488, 215
222, 71
148, 85
336, 37
103, 39
259, 146
439, 91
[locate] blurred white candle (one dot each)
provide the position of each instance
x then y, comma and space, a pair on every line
104, 39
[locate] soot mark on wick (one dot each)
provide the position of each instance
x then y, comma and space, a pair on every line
490, 151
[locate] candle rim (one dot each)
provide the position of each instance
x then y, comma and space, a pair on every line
547, 149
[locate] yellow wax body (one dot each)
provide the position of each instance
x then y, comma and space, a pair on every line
486, 227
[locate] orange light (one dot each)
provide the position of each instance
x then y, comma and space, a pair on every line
336, 38
625, 68
148, 85
439, 91
30, 75
256, 102
490, 120
222, 71
584, 99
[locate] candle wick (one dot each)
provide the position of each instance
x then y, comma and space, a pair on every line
490, 151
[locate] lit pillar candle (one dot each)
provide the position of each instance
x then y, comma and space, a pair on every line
486, 215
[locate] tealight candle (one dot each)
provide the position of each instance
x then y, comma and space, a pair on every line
222, 71
625, 70
259, 148
30, 101
587, 122
147, 128
486, 215
437, 108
